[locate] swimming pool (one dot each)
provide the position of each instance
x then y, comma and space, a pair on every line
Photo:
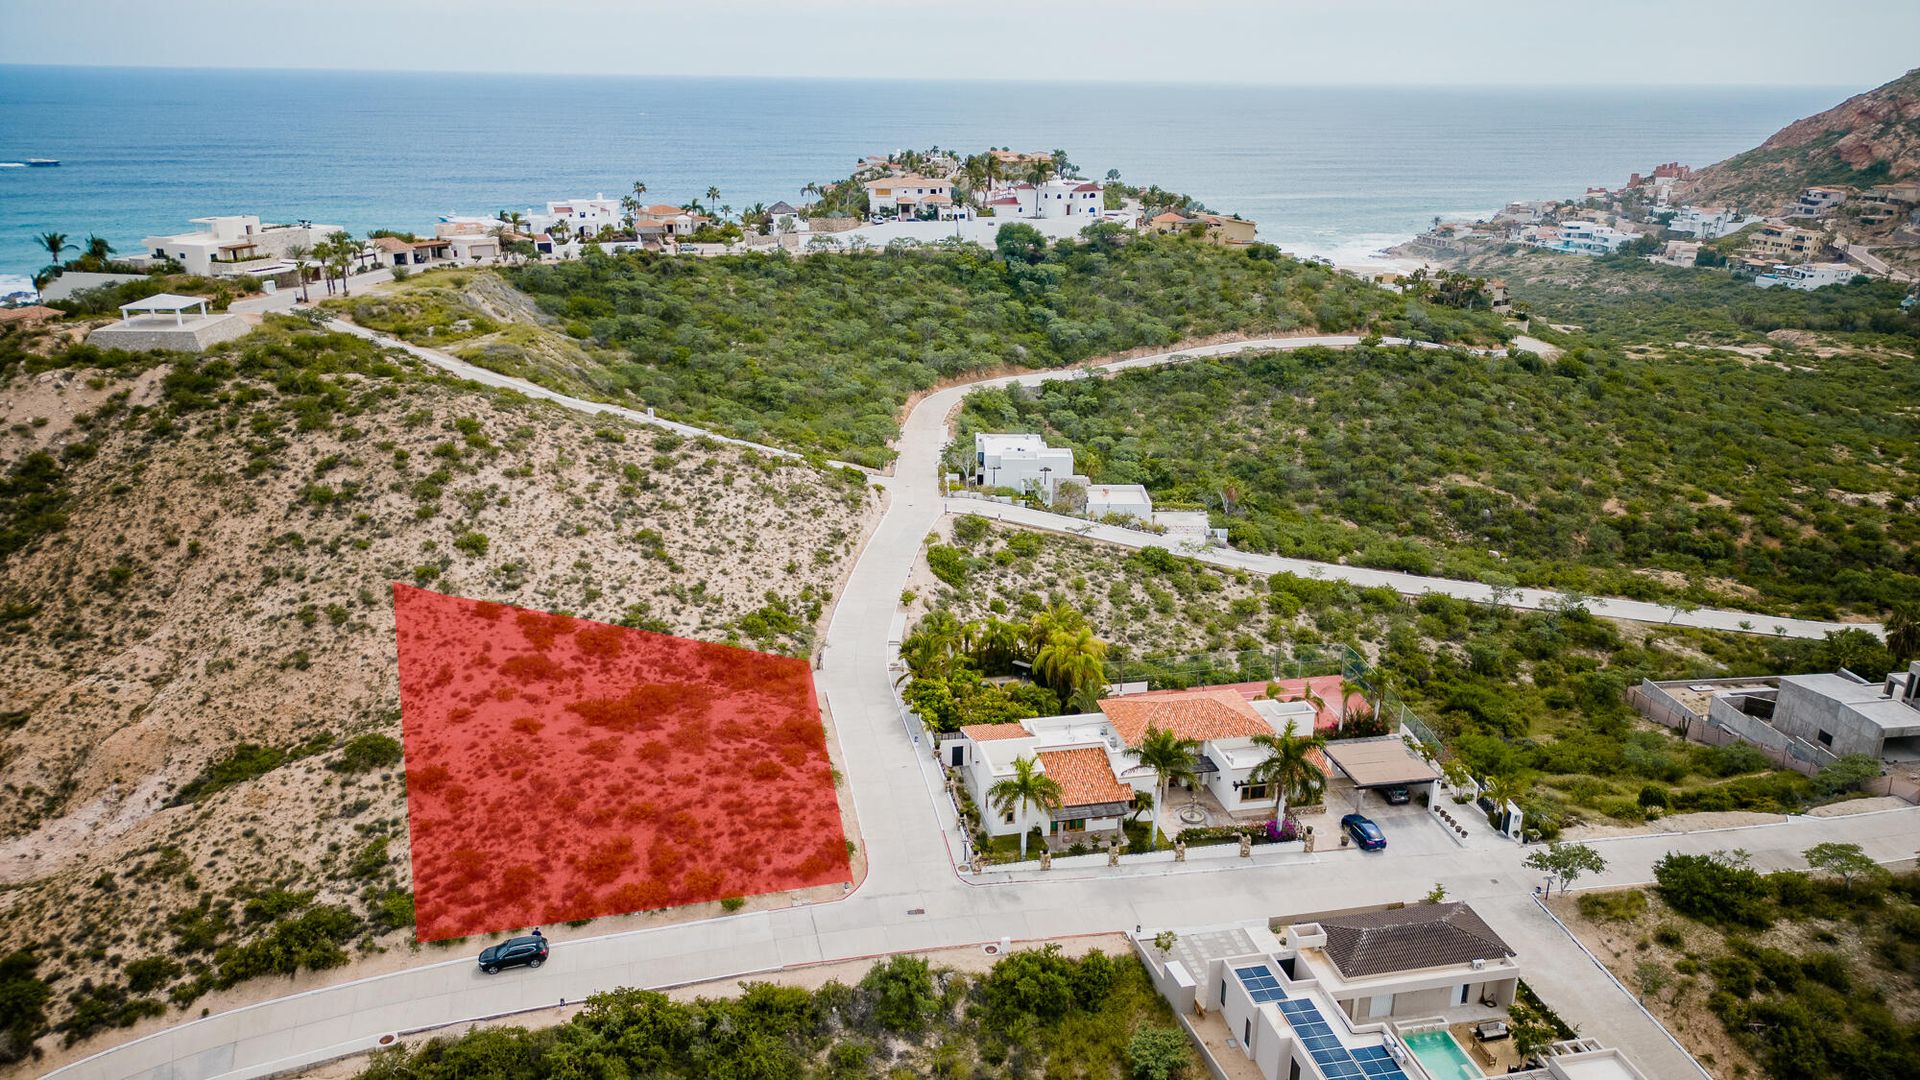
1442, 1056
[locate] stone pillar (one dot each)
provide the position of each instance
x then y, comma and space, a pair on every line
1046, 859
1179, 851
1113, 854
1246, 845
1306, 837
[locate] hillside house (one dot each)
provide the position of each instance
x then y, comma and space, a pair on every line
1119, 500
1370, 992
1677, 253
1705, 222
1023, 462
236, 244
1781, 242
908, 196
1091, 755
1817, 202
1807, 276
1214, 228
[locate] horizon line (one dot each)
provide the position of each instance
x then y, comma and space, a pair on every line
981, 79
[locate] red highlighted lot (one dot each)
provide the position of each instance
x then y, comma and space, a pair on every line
563, 769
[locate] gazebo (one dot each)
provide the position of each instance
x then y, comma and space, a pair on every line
163, 304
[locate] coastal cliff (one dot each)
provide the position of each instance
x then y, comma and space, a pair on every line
1871, 138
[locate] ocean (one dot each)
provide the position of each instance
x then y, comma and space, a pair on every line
1336, 171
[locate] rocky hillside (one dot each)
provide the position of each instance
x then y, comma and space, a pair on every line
199, 713
1871, 138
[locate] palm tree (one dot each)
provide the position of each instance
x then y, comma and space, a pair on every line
639, 188
298, 254
931, 647
713, 197
342, 245
55, 243
1028, 786
1903, 633
1348, 691
993, 644
97, 248
1070, 661
1508, 788
323, 258
1289, 768
1171, 758
1040, 172
1060, 617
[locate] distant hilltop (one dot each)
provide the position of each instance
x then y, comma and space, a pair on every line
1869, 139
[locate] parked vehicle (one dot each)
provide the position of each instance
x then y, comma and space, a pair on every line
1398, 796
514, 952
1364, 832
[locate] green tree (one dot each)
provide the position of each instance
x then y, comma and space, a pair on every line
713, 198
1171, 758
1717, 887
1027, 787
1846, 773
1019, 242
1848, 862
1289, 767
1903, 632
300, 255
1565, 863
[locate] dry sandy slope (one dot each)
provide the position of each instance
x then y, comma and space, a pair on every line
192, 604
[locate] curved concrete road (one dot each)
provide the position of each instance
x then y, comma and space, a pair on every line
913, 899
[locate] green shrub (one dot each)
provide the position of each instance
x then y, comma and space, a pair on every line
1623, 905
1158, 1053
948, 564
1715, 888
900, 992
245, 762
363, 753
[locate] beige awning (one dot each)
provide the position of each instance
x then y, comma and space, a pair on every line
1372, 763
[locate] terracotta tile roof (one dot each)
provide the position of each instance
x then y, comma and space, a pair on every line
990, 732
1088, 186
1410, 938
391, 244
1167, 217
1085, 776
1191, 714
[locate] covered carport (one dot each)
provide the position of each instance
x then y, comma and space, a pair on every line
1380, 763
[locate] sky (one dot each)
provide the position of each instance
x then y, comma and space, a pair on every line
1320, 42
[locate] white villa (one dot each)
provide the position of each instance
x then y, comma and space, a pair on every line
1808, 276
470, 239
1053, 199
1581, 238
1023, 462
1121, 500
1091, 756
578, 215
1706, 222
909, 196
1388, 993
236, 244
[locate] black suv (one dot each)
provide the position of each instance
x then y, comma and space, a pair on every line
514, 952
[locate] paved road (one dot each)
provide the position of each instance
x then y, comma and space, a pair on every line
913, 899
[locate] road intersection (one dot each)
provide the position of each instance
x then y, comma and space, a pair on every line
914, 899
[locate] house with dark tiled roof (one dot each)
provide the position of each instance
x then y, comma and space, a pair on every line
1401, 992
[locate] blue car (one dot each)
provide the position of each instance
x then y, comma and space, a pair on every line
1364, 832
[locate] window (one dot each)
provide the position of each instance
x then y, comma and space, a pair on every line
1007, 818
1223, 993
1254, 793
1826, 738
1247, 1041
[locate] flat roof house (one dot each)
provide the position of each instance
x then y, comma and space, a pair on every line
236, 244
1846, 714
1808, 276
1360, 994
1119, 500
1023, 462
